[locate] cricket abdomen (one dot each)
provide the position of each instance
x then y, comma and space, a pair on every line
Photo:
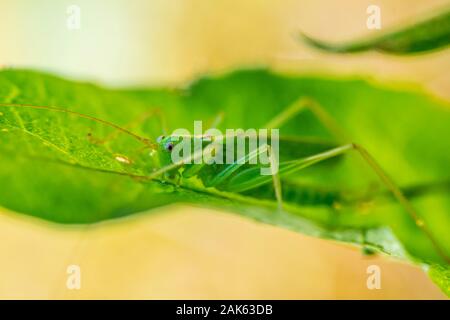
299, 194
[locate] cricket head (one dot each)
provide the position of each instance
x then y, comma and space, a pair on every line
167, 143
178, 147
165, 146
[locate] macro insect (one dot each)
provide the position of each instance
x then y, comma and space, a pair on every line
241, 175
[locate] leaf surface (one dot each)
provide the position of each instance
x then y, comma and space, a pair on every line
75, 170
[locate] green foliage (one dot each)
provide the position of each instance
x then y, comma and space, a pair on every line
432, 33
73, 170
441, 276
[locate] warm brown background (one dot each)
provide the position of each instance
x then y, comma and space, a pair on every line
185, 252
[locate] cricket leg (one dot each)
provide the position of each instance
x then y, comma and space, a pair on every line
198, 154
296, 165
217, 120
275, 178
318, 111
228, 170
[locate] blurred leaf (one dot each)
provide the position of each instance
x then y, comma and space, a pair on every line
441, 276
432, 33
71, 169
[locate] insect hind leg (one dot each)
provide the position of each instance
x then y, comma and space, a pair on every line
384, 178
275, 178
306, 103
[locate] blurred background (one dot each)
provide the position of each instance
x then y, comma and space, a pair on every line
183, 252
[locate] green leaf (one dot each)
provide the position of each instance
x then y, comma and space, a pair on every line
432, 33
72, 169
441, 276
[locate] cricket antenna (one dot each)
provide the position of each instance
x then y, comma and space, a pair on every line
146, 141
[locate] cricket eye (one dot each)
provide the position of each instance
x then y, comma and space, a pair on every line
169, 146
159, 139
